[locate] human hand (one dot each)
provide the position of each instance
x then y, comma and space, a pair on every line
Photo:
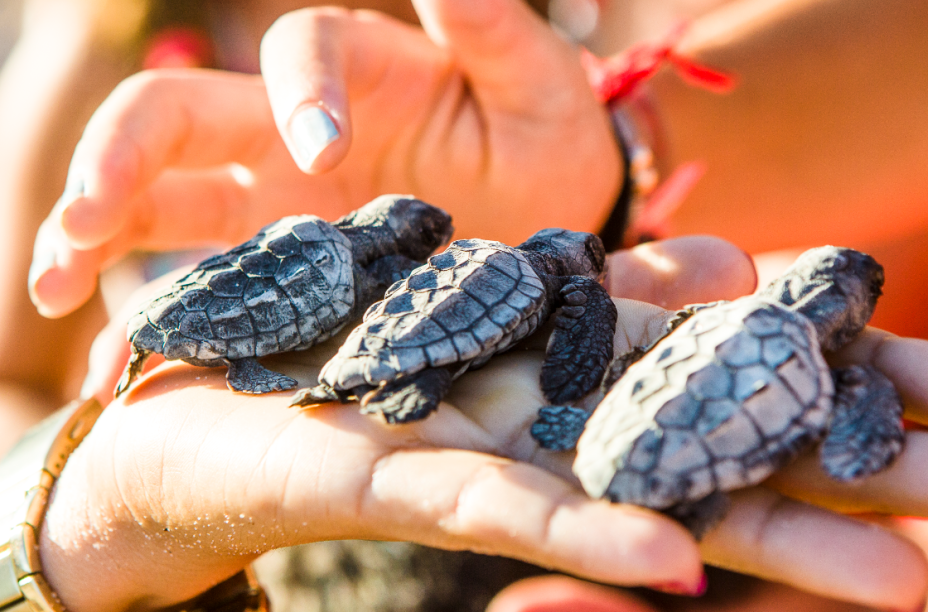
163, 461
486, 113
181, 483
727, 591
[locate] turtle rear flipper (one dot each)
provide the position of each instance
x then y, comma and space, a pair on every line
559, 427
133, 369
580, 347
248, 376
866, 432
409, 398
701, 515
311, 396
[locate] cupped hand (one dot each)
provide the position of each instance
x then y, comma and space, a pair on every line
181, 482
193, 481
486, 113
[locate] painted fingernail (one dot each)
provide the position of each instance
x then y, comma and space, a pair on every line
679, 588
312, 130
919, 608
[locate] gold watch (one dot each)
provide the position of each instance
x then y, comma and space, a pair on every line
27, 474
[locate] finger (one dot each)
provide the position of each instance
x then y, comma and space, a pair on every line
513, 60
673, 273
900, 359
333, 473
899, 490
499, 507
177, 211
153, 121
315, 60
303, 64
180, 210
109, 354
52, 289
779, 539
563, 594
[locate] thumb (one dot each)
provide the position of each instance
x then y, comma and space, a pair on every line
685, 270
512, 58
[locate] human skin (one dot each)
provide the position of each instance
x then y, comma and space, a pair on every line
507, 148
160, 192
823, 141
167, 468
155, 491
846, 76
64, 64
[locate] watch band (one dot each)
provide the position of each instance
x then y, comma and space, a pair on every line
27, 474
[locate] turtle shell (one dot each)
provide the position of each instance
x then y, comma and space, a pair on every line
729, 397
475, 299
289, 287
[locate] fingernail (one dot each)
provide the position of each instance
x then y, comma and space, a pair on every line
919, 608
312, 130
44, 255
679, 588
76, 187
42, 261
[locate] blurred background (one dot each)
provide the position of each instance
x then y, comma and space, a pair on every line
61, 58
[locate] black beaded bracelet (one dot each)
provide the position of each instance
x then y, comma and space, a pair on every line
640, 179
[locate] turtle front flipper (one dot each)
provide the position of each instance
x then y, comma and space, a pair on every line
701, 515
409, 398
248, 376
558, 428
866, 432
580, 348
133, 369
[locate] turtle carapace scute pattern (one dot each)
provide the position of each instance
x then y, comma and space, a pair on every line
734, 391
292, 286
477, 299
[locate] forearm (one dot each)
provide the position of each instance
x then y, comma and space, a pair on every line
827, 125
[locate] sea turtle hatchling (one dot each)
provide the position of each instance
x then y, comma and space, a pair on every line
734, 392
293, 285
475, 300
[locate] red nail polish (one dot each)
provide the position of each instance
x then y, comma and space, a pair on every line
679, 588
702, 587
919, 608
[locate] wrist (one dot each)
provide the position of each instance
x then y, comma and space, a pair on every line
102, 532
637, 132
74, 547
652, 190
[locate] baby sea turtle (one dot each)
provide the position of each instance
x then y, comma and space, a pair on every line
734, 392
475, 300
293, 285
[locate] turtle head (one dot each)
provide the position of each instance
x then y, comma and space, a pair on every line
836, 288
396, 225
567, 253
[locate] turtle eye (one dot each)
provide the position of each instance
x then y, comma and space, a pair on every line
322, 259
